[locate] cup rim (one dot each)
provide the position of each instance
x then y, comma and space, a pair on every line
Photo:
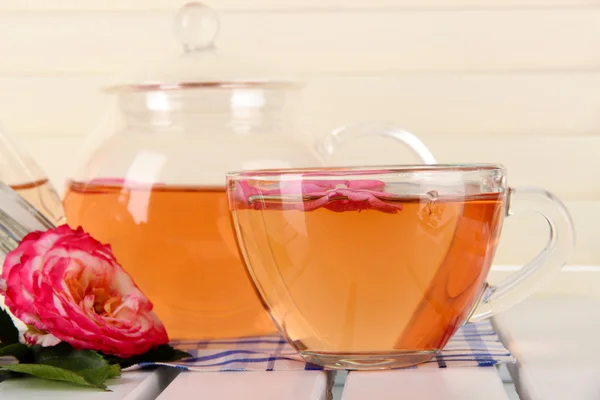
366, 170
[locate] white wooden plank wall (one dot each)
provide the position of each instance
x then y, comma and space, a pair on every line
509, 81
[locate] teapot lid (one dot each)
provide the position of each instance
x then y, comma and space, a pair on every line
196, 27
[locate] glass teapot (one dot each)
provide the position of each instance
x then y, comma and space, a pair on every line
154, 188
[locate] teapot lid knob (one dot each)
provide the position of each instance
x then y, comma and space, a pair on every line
196, 27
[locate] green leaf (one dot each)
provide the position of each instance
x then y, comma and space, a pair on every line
100, 375
18, 350
9, 333
63, 363
64, 356
162, 353
59, 374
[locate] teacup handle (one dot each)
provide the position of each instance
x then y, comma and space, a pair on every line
555, 255
344, 133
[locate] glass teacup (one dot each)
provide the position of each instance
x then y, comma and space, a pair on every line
377, 267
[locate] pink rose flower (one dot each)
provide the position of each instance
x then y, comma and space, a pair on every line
309, 195
67, 286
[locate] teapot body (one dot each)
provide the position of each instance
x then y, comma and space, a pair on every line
154, 189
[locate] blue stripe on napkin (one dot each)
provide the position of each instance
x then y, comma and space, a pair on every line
474, 344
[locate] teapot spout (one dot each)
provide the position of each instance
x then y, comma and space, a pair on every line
328, 146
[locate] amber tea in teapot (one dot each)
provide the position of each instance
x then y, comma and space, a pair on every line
180, 247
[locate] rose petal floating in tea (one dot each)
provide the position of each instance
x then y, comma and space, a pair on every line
309, 195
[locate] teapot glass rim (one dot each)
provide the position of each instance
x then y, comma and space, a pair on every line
366, 170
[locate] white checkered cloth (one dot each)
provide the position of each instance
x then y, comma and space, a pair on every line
474, 345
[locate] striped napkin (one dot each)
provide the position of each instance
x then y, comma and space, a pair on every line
475, 344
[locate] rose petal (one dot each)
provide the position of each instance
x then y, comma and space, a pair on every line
44, 339
334, 195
